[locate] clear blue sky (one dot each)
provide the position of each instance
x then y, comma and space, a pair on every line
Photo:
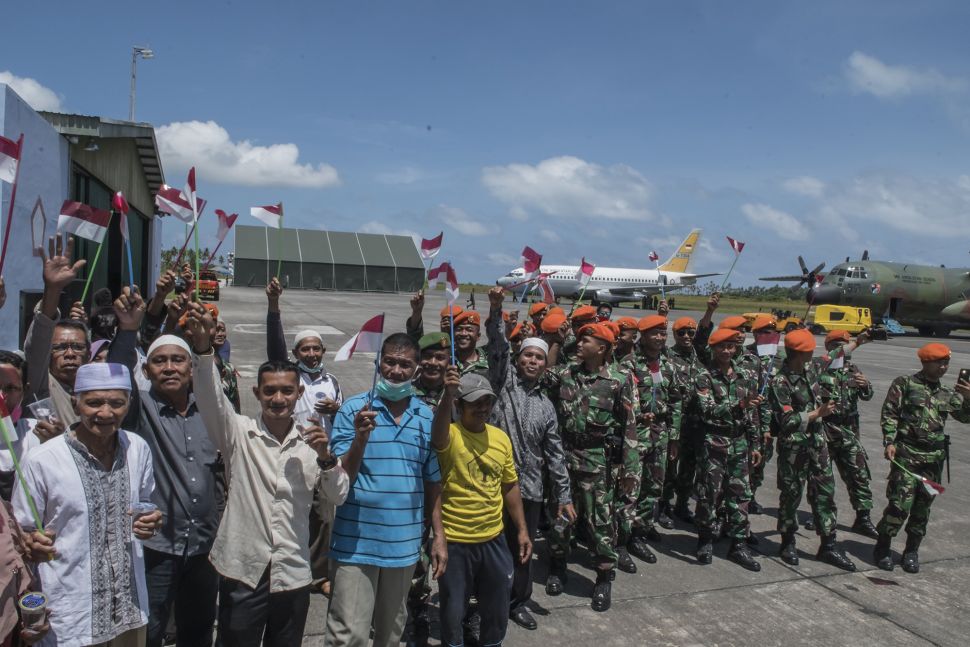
597, 129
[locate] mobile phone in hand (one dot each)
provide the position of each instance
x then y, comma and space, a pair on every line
964, 375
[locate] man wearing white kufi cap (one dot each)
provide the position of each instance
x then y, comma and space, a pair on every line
321, 392
189, 476
84, 485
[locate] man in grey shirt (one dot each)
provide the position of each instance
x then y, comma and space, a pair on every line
189, 482
529, 418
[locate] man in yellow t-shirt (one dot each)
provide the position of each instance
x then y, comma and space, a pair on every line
478, 477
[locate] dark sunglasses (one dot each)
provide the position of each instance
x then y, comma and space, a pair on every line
686, 332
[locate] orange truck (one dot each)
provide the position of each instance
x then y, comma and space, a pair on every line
209, 285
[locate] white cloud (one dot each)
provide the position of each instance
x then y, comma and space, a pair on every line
550, 235
783, 224
377, 227
460, 221
805, 185
37, 96
504, 260
937, 208
569, 187
867, 74
207, 146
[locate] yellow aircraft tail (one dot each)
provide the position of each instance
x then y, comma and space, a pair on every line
680, 261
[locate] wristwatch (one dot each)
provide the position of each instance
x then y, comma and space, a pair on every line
328, 464
886, 442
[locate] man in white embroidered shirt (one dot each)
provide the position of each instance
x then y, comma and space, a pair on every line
262, 547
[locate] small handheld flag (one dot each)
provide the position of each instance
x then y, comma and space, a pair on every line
10, 154
531, 260
191, 199
932, 487
445, 272
270, 215
369, 339
225, 224
654, 257
172, 202
767, 343
548, 296
585, 270
431, 246
120, 205
737, 246
83, 220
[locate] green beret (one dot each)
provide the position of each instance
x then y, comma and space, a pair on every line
435, 340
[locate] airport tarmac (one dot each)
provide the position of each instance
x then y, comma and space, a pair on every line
676, 601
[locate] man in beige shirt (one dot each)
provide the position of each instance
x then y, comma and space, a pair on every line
262, 547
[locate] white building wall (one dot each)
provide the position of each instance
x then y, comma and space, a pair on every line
44, 172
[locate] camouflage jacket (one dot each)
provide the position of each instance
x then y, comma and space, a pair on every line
793, 396
915, 411
662, 400
837, 385
719, 400
430, 396
596, 412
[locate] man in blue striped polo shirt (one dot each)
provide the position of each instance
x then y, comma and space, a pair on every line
384, 444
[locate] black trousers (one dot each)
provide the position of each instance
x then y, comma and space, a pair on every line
253, 617
522, 573
485, 571
188, 583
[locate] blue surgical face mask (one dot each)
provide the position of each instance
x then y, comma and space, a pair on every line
393, 391
307, 369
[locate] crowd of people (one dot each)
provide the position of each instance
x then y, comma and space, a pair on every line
145, 508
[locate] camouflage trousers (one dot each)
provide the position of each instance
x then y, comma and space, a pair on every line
688, 455
852, 462
908, 499
758, 471
634, 513
654, 469
594, 497
723, 483
805, 459
419, 595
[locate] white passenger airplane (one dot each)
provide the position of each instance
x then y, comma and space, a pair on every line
615, 284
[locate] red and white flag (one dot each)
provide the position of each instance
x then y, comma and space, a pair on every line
531, 260
654, 257
271, 215
9, 159
431, 246
839, 361
655, 375
585, 269
548, 296
736, 245
171, 201
444, 272
8, 425
369, 339
767, 343
189, 193
83, 220
119, 204
932, 487
225, 224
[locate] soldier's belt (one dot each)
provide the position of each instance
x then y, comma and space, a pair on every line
922, 445
843, 421
728, 431
587, 441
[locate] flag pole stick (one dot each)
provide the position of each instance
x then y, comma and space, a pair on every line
581, 293
451, 323
660, 281
13, 198
728, 275
279, 245
131, 272
20, 477
197, 297
212, 255
377, 363
94, 264
188, 235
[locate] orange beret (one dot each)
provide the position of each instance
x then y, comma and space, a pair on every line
614, 327
652, 321
599, 331
556, 309
211, 307
538, 309
583, 313
800, 340
453, 310
722, 335
763, 321
838, 335
684, 322
735, 322
468, 316
516, 332
933, 351
505, 315
627, 323
553, 321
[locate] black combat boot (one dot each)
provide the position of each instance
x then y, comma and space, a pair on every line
653, 534
910, 561
788, 552
752, 539
602, 591
639, 549
740, 554
809, 523
705, 550
882, 554
663, 516
754, 507
863, 525
682, 511
624, 562
829, 553
420, 631
557, 577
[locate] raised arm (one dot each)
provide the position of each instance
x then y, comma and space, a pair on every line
275, 339
414, 326
441, 425
214, 407
498, 345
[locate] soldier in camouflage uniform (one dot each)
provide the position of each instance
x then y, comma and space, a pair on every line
798, 407
577, 319
688, 367
845, 385
658, 430
764, 367
597, 411
625, 341
913, 416
735, 416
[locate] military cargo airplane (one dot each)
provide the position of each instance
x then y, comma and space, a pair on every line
616, 284
934, 300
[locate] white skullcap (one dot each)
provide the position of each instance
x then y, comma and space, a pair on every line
102, 377
304, 334
534, 342
169, 340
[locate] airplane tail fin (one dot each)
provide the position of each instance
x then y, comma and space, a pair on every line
681, 260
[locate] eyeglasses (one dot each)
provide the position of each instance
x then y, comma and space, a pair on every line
686, 332
66, 346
